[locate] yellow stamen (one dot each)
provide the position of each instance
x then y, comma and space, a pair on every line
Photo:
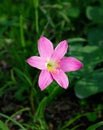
51, 66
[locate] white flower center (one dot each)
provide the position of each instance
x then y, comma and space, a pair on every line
52, 65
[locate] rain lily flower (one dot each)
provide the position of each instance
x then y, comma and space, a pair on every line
53, 64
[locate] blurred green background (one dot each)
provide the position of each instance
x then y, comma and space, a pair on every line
22, 22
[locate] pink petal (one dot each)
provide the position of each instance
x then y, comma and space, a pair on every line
70, 64
61, 78
45, 79
37, 62
45, 47
60, 50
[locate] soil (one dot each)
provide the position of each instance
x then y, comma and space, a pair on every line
67, 106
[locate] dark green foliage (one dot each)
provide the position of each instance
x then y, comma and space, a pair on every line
22, 22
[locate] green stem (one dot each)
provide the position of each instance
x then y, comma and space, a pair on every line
36, 3
33, 94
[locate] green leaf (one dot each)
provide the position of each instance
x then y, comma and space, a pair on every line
3, 126
5, 86
89, 85
92, 116
77, 39
95, 13
23, 76
89, 55
53, 90
41, 108
73, 12
14, 121
39, 120
95, 126
70, 122
95, 36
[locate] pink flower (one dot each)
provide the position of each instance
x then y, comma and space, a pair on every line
52, 63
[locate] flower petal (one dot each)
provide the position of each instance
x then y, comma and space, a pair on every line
45, 79
37, 62
61, 78
45, 47
60, 50
70, 64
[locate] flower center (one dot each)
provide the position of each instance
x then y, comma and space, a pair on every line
52, 66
